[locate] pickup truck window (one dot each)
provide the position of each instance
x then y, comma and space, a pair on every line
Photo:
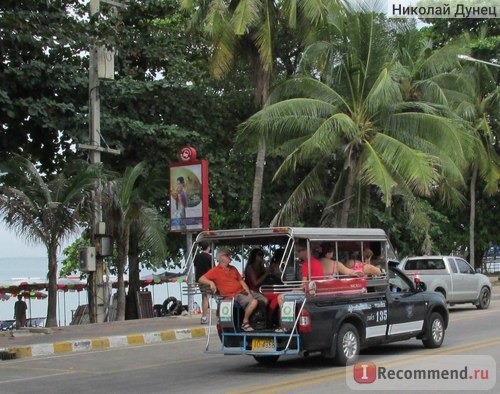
425, 264
464, 267
453, 266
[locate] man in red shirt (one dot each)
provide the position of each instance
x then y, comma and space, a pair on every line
226, 279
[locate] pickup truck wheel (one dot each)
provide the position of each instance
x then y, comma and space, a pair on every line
266, 360
348, 345
483, 301
434, 332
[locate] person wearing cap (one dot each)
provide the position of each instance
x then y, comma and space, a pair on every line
228, 282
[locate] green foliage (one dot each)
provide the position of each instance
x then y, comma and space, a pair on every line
163, 97
70, 263
358, 114
43, 80
45, 209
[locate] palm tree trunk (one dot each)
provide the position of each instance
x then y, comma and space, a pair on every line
133, 275
261, 78
122, 262
472, 216
346, 205
52, 279
257, 184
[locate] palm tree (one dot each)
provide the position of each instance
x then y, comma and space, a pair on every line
248, 29
46, 210
474, 96
128, 217
353, 110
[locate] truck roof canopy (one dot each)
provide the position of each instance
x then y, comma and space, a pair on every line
263, 235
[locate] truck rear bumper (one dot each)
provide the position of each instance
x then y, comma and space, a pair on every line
261, 343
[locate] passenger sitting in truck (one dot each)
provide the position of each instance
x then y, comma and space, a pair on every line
255, 272
362, 266
332, 267
274, 278
316, 270
228, 282
370, 268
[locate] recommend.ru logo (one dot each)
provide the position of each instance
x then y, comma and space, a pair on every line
457, 372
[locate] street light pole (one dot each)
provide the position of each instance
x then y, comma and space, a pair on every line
472, 59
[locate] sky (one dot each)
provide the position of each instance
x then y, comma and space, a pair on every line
12, 246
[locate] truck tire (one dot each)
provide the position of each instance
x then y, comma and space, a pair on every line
348, 345
266, 360
434, 331
483, 302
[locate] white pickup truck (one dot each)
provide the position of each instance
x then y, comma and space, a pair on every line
451, 276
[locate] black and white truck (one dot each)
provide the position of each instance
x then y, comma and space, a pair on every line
336, 315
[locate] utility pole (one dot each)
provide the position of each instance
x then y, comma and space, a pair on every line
99, 297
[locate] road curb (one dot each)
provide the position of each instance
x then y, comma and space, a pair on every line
100, 343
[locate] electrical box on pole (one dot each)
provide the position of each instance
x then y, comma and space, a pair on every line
86, 259
105, 63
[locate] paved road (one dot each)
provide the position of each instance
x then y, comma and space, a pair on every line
182, 367
88, 337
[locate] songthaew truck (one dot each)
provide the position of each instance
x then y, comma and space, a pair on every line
335, 315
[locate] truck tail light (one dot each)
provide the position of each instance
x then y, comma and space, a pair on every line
305, 325
416, 277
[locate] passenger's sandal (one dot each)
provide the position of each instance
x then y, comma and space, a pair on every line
246, 327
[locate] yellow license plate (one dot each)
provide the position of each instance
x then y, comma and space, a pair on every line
263, 344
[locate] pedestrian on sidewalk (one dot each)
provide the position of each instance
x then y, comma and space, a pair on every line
20, 312
203, 264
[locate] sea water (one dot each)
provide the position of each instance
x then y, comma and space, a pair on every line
35, 269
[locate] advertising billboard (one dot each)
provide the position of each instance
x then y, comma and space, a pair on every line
189, 196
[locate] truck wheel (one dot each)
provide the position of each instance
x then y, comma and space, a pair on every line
348, 345
483, 301
434, 331
266, 360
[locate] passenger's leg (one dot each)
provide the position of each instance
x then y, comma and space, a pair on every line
249, 310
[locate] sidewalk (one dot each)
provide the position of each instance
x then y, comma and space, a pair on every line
31, 342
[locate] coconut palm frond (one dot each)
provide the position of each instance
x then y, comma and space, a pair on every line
383, 92
300, 198
466, 111
263, 39
442, 60
431, 92
129, 182
306, 87
373, 171
152, 231
441, 132
315, 58
417, 169
287, 119
245, 16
